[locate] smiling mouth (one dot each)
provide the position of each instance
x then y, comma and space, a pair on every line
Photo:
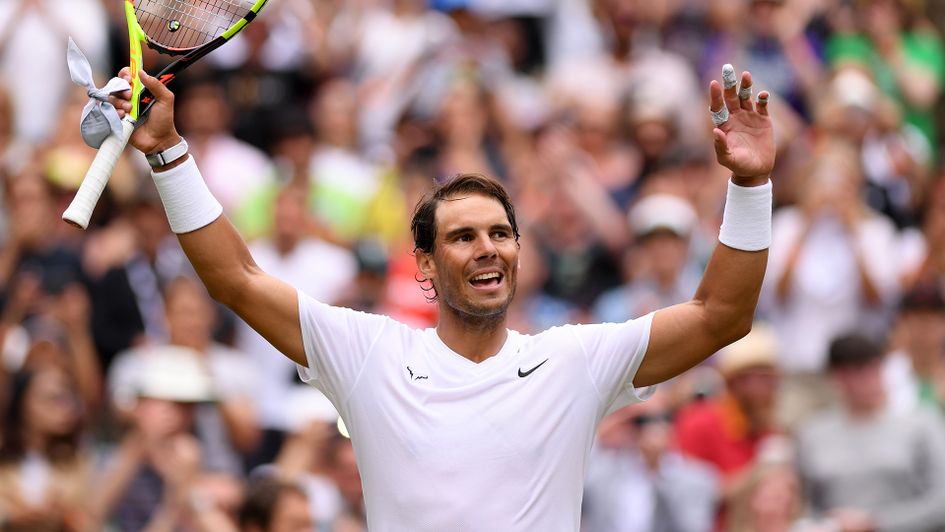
487, 280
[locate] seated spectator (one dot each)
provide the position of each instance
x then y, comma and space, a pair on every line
638, 481
44, 472
664, 274
727, 431
226, 427
917, 367
274, 505
865, 466
158, 475
770, 498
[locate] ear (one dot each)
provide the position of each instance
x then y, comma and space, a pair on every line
425, 264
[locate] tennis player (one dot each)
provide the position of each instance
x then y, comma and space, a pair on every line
471, 426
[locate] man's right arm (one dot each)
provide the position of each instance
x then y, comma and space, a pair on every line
265, 303
216, 250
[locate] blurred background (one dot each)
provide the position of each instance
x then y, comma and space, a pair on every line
132, 401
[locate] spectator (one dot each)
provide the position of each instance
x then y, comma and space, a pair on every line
895, 479
730, 431
235, 171
317, 268
907, 59
919, 360
227, 426
662, 273
45, 473
638, 481
154, 477
275, 506
833, 266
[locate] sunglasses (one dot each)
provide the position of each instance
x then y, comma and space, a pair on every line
643, 420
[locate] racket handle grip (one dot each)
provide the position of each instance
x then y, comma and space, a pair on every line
80, 210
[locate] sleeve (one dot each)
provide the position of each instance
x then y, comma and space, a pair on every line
614, 352
925, 511
338, 342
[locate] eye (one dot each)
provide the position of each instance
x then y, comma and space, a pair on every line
464, 238
500, 234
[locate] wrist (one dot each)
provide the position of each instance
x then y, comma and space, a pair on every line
165, 142
749, 181
172, 164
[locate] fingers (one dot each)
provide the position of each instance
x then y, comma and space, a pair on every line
762, 106
730, 88
744, 92
716, 104
720, 143
160, 92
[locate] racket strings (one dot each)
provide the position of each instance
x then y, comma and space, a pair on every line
187, 24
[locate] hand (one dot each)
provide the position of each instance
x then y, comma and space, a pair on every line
745, 142
850, 520
157, 131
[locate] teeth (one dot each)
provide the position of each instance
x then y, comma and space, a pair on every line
485, 276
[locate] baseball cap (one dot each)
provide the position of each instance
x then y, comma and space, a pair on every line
174, 373
757, 349
662, 212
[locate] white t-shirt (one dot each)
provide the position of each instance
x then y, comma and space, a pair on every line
444, 444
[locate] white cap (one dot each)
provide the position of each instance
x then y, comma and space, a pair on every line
662, 211
174, 373
854, 88
757, 349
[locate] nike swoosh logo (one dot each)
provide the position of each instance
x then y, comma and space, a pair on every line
529, 372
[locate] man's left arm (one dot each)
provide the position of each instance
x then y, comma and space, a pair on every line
723, 307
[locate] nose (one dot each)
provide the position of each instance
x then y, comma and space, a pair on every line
485, 247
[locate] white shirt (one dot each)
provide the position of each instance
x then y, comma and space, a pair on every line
445, 444
826, 297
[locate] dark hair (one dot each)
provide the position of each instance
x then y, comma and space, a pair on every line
423, 225
60, 450
262, 496
853, 350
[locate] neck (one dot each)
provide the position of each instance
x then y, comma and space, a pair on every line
865, 410
284, 246
33, 441
474, 337
200, 346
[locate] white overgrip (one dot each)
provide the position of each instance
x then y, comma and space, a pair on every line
80, 210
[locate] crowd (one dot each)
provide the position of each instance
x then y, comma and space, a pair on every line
132, 401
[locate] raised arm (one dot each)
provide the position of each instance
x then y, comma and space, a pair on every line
724, 304
214, 247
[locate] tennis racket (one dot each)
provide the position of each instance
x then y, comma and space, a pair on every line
189, 29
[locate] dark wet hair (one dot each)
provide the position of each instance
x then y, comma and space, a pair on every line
423, 225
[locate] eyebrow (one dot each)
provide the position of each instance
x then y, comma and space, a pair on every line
469, 229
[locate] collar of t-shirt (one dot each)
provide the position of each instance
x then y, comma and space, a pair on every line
453, 366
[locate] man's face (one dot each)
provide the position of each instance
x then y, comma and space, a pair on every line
475, 257
861, 386
291, 514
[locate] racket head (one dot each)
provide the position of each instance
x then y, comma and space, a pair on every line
177, 27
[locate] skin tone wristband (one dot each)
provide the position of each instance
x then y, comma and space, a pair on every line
187, 200
746, 223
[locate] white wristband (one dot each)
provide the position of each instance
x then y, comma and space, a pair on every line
187, 200
746, 223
